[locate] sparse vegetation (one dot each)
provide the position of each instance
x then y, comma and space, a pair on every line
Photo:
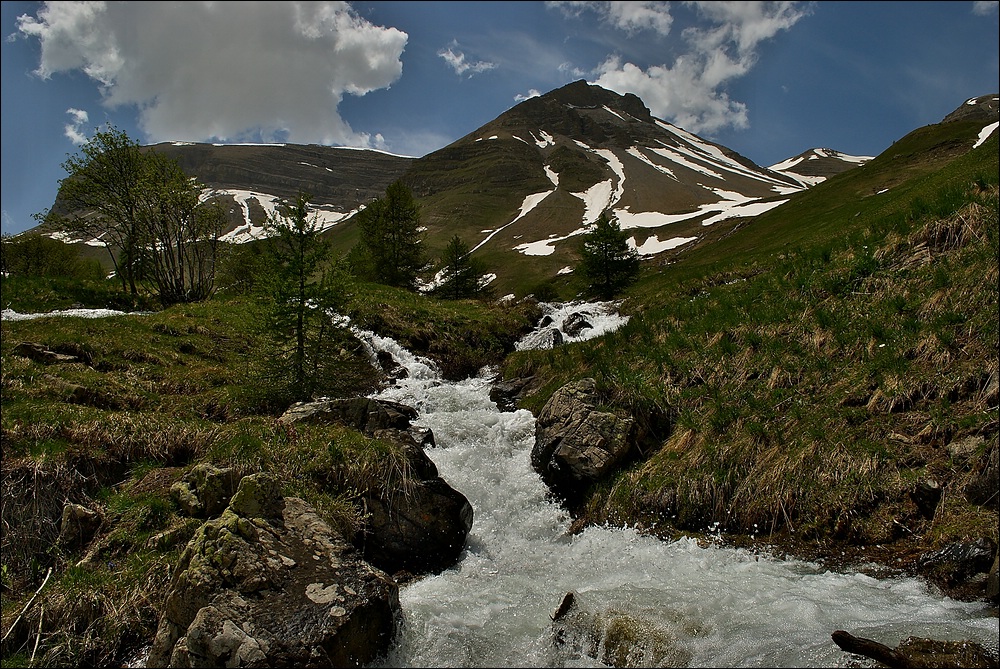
813, 386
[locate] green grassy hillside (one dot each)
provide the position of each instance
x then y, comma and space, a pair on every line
809, 370
141, 398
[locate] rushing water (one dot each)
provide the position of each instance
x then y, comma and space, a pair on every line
720, 606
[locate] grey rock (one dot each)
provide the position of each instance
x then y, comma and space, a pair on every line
362, 413
269, 583
205, 490
40, 353
78, 525
577, 444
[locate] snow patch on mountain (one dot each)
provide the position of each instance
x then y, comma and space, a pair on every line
636, 153
529, 203
675, 157
546, 139
553, 176
596, 199
743, 209
984, 134
247, 232
653, 245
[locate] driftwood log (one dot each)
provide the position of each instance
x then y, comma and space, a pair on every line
917, 653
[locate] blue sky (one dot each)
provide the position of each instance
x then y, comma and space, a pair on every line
768, 80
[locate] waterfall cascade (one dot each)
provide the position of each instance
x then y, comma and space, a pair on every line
712, 606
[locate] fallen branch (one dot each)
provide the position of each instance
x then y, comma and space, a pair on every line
872, 649
38, 637
27, 606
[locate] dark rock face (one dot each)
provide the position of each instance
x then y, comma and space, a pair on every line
984, 108
268, 583
984, 486
961, 560
926, 496
423, 528
420, 529
576, 323
342, 178
362, 413
506, 394
576, 444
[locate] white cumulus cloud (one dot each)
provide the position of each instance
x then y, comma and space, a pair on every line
73, 130
631, 17
532, 93
219, 70
720, 46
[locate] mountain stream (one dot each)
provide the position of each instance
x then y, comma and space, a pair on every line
715, 606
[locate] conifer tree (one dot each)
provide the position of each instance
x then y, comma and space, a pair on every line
607, 260
392, 237
305, 289
461, 272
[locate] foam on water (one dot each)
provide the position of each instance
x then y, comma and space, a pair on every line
724, 607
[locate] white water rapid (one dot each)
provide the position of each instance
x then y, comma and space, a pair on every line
723, 607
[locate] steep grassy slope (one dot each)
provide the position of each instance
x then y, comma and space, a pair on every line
144, 398
819, 365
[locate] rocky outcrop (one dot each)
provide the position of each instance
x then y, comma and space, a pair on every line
576, 443
205, 490
420, 528
268, 583
364, 414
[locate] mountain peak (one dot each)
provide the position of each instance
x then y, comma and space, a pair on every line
982, 108
588, 96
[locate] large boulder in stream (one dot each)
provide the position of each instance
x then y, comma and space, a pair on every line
270, 584
420, 528
576, 443
618, 637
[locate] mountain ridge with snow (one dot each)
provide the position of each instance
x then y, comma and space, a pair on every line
522, 189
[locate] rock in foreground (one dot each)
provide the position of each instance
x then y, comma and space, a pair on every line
269, 584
